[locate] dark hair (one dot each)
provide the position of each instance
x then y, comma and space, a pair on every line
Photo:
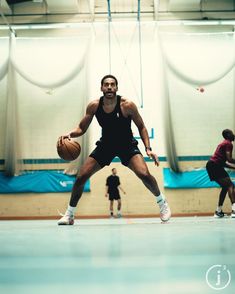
109, 76
226, 133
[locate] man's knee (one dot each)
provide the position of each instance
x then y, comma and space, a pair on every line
227, 185
144, 175
225, 188
230, 186
81, 179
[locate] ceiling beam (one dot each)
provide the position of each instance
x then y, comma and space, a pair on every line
62, 6
57, 11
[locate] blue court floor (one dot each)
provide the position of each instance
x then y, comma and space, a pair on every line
187, 255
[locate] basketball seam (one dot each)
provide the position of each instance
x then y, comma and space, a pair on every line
75, 144
69, 151
71, 148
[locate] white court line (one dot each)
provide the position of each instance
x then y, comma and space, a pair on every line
173, 220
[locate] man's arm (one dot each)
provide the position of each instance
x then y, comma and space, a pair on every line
107, 187
229, 157
83, 125
119, 187
137, 119
106, 190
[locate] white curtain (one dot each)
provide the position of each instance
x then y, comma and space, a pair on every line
44, 69
193, 61
13, 158
4, 56
199, 59
167, 116
51, 62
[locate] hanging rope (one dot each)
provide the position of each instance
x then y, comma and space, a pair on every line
140, 55
109, 35
125, 58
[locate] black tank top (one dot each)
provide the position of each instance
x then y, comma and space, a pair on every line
116, 129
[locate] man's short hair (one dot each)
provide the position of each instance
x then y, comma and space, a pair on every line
107, 77
226, 133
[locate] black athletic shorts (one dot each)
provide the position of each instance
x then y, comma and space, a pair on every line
216, 171
114, 195
104, 153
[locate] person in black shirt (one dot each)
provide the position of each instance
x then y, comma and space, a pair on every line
114, 114
112, 191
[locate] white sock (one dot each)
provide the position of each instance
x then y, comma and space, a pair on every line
119, 211
233, 207
160, 199
219, 208
70, 210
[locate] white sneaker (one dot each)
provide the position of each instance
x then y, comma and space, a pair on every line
119, 215
165, 211
66, 219
233, 214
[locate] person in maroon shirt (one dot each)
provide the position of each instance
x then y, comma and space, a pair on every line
215, 168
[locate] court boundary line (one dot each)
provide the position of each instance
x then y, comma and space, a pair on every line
56, 217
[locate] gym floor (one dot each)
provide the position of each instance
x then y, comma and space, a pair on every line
186, 255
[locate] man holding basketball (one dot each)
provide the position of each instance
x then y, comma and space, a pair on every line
114, 114
215, 169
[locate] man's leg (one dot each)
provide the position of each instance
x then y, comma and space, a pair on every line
119, 206
90, 167
227, 183
219, 211
139, 167
222, 196
111, 208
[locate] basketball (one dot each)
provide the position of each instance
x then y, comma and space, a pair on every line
70, 150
